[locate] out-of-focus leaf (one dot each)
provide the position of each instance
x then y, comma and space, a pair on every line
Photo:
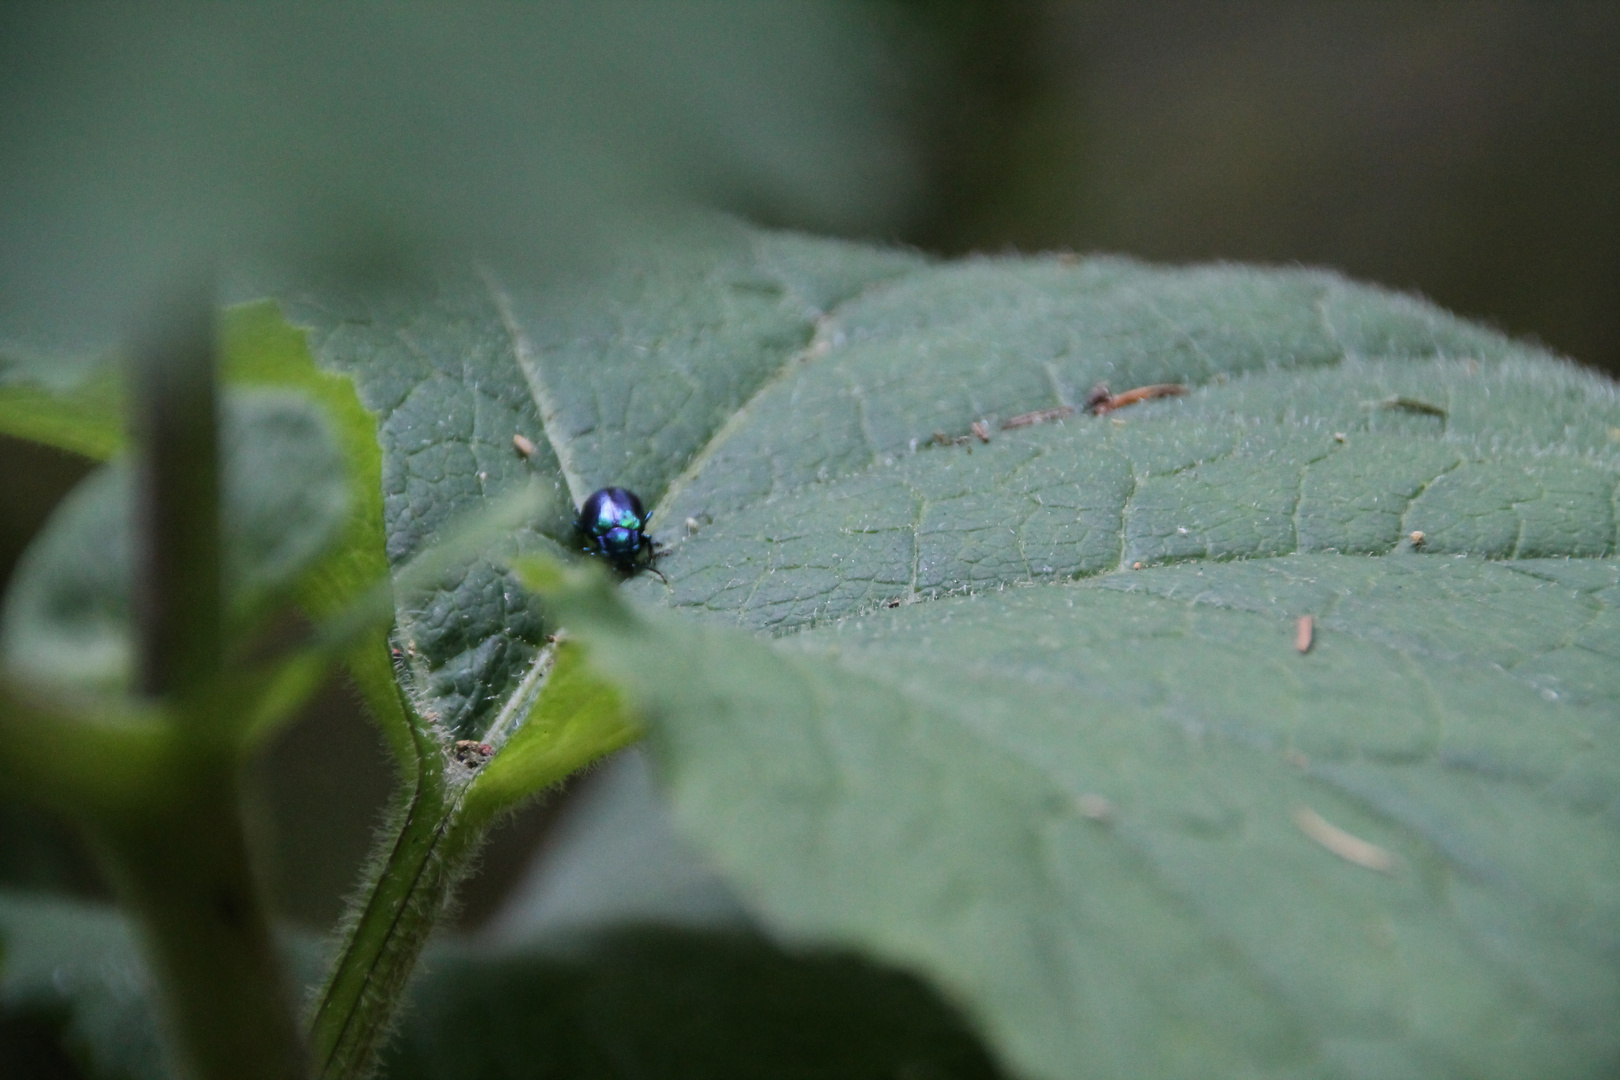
66, 617
1077, 806
679, 1003
261, 349
141, 145
78, 968
258, 349
77, 965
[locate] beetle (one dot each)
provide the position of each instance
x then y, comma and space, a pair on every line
612, 525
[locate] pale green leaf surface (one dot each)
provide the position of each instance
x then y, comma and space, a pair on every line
1074, 805
67, 614
1068, 790
578, 719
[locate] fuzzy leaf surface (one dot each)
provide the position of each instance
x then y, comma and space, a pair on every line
622, 379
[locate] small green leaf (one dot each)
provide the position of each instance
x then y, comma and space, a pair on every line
261, 349
258, 349
66, 618
86, 417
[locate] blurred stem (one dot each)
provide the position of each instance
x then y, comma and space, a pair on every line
408, 891
181, 867
175, 423
179, 856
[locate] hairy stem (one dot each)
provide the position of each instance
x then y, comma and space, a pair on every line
404, 898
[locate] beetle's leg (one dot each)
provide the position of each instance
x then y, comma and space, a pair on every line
650, 546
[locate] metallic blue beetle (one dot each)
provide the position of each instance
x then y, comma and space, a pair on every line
612, 524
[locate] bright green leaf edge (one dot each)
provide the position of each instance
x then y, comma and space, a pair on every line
83, 419
577, 720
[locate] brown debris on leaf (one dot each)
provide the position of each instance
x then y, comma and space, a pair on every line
977, 430
472, 753
1100, 401
1410, 404
1040, 416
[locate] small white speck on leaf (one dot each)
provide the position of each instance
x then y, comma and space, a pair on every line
1094, 807
1350, 848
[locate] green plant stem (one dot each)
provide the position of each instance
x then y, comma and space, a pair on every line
178, 854
174, 416
181, 867
406, 894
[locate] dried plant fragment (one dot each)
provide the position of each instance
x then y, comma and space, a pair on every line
1352, 849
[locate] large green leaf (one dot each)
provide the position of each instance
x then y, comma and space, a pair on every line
1112, 811
1080, 808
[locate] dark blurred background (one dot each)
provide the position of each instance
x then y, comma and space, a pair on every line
1466, 151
